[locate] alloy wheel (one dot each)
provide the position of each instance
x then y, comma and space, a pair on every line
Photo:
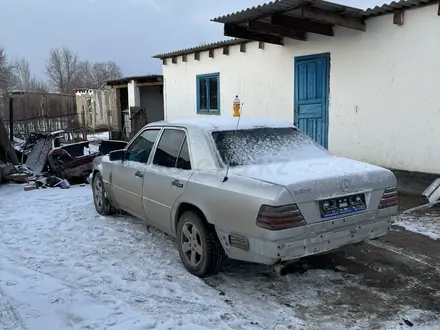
191, 244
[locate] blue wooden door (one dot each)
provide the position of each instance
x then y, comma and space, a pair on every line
311, 96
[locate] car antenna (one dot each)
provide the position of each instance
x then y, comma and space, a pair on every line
235, 135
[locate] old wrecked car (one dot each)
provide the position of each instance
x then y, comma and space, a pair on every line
71, 162
264, 193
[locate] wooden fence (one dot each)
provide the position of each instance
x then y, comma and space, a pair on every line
41, 112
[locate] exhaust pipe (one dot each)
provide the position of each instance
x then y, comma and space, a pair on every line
280, 269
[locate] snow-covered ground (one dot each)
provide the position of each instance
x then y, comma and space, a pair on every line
427, 224
98, 136
95, 139
62, 266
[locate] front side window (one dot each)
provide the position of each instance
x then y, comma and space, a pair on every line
264, 145
168, 149
140, 149
208, 94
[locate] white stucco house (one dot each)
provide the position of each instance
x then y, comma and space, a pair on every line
363, 83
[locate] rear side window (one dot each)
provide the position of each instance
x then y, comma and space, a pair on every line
183, 162
140, 149
168, 148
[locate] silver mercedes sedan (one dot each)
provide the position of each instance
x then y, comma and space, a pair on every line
261, 192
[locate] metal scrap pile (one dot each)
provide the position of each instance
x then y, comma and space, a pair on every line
50, 156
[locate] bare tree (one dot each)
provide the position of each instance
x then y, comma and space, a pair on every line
62, 69
22, 75
24, 80
6, 72
94, 75
37, 85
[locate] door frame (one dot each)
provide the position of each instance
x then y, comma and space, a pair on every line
326, 57
165, 173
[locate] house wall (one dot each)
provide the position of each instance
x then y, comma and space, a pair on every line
102, 109
384, 103
133, 94
97, 104
151, 99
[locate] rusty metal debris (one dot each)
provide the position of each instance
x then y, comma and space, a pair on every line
432, 194
7, 153
50, 160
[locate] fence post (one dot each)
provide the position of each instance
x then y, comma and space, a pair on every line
84, 124
11, 118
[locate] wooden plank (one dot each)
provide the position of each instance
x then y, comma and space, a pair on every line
296, 23
277, 30
336, 19
398, 17
152, 83
119, 86
243, 33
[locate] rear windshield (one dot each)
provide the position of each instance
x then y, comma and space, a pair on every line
264, 145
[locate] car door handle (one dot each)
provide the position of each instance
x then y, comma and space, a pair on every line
139, 174
177, 184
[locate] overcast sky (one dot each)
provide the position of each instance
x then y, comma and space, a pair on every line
128, 32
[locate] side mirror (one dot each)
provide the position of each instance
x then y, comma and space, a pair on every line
116, 155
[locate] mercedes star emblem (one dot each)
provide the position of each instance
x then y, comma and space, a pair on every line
345, 185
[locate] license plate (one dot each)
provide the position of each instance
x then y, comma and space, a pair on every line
342, 205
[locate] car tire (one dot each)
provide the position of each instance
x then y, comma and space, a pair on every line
199, 247
102, 204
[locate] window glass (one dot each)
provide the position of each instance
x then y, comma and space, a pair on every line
213, 84
168, 148
140, 149
203, 90
265, 145
183, 162
208, 93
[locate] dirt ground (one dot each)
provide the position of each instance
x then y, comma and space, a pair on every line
377, 281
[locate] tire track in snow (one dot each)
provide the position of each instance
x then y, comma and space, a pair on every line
405, 253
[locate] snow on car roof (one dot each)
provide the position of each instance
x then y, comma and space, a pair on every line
223, 123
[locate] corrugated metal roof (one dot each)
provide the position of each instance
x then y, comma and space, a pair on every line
284, 6
200, 48
389, 8
144, 78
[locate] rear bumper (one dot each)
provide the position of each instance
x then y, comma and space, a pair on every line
313, 239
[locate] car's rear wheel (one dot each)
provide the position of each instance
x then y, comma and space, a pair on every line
200, 250
102, 204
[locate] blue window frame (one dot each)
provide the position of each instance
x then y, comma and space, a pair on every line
208, 93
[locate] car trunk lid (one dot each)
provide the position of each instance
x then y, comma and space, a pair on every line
312, 180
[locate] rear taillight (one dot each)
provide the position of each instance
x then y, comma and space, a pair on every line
389, 198
280, 217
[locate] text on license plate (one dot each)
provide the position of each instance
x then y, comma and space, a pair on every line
342, 205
